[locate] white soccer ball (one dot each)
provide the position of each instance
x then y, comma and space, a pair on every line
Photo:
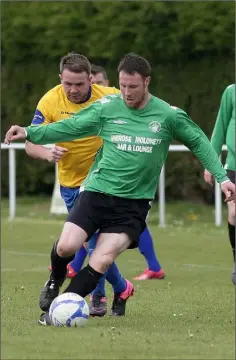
69, 310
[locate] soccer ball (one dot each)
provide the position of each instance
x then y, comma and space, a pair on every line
69, 310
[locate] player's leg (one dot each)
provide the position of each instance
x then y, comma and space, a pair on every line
78, 261
71, 240
70, 195
231, 223
98, 304
146, 248
126, 212
108, 247
73, 236
231, 226
113, 276
121, 222
98, 300
122, 288
231, 231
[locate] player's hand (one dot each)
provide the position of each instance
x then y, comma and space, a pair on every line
208, 177
14, 133
56, 153
228, 188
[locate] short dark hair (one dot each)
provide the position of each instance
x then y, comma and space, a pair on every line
96, 69
76, 63
132, 63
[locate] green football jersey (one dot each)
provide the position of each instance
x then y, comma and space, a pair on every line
224, 129
135, 144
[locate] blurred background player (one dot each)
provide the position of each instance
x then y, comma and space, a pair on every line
99, 75
154, 270
224, 133
75, 158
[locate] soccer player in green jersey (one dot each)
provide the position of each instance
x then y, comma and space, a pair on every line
145, 246
224, 133
137, 129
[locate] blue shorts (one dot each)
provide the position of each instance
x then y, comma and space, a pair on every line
69, 195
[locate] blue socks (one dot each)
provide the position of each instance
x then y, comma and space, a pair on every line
79, 258
147, 250
100, 288
115, 278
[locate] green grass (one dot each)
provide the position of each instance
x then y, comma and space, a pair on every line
189, 315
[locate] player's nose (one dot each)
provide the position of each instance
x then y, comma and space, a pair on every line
73, 89
127, 92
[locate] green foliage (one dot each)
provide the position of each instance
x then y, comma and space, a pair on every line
190, 46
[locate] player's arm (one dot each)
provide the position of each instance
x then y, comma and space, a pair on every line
41, 152
87, 122
42, 116
37, 151
222, 121
218, 137
189, 133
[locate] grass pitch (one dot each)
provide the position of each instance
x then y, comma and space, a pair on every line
188, 315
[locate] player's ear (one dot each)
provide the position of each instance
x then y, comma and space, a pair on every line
147, 80
60, 76
90, 79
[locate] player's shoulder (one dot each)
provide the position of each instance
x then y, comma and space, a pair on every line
109, 100
53, 95
230, 88
100, 91
165, 106
228, 93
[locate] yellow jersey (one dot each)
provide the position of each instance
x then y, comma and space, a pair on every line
54, 106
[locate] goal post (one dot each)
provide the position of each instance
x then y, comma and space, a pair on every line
58, 206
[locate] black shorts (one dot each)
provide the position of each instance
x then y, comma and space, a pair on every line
110, 214
231, 175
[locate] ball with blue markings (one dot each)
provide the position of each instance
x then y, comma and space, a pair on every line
70, 310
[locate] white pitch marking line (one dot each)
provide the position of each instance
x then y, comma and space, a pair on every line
193, 266
206, 267
34, 221
23, 253
38, 269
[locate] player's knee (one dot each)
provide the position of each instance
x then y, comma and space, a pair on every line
101, 262
63, 250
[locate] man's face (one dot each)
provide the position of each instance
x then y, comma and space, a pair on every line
75, 85
99, 79
133, 88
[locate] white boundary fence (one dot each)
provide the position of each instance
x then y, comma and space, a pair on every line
174, 148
